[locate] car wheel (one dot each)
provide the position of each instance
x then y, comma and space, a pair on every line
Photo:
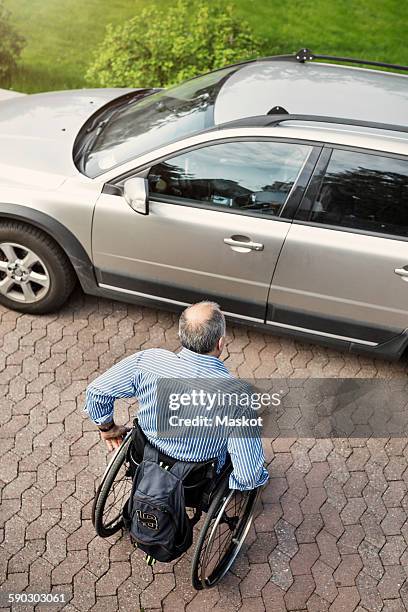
35, 274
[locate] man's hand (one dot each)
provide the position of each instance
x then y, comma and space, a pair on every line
114, 436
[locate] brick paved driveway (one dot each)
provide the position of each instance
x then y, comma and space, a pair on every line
331, 533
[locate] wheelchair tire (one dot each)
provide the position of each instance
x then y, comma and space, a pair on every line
107, 520
241, 504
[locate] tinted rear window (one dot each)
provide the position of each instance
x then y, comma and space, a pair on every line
364, 191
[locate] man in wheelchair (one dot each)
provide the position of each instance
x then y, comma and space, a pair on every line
232, 464
202, 335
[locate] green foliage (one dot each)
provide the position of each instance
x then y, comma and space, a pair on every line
11, 44
62, 35
162, 47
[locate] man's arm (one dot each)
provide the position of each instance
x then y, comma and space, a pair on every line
118, 382
248, 463
244, 444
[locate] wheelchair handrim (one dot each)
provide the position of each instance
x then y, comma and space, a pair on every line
116, 521
229, 557
125, 443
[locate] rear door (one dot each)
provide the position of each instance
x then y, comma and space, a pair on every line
343, 270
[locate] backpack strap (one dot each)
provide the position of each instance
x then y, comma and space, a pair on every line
182, 468
150, 453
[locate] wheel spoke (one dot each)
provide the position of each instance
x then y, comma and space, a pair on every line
112, 505
112, 512
212, 562
116, 499
5, 285
39, 279
28, 291
118, 493
210, 558
111, 522
30, 260
227, 537
3, 265
9, 252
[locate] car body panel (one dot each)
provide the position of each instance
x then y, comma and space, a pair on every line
7, 94
71, 205
342, 275
313, 89
188, 255
64, 237
37, 132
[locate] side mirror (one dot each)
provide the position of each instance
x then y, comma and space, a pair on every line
135, 191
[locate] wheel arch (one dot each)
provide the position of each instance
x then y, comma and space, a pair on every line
61, 235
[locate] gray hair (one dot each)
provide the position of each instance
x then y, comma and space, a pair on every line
201, 336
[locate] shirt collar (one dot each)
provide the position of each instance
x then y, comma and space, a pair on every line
211, 360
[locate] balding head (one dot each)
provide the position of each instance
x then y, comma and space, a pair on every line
202, 328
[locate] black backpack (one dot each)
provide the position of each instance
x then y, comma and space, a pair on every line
155, 514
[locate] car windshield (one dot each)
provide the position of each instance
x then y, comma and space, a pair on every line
155, 121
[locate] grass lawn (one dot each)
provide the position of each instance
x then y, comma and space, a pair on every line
61, 34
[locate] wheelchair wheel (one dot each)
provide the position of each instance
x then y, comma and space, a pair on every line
226, 525
112, 493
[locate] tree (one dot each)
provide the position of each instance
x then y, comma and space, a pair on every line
164, 47
11, 45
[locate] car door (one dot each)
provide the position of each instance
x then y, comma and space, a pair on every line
343, 270
214, 229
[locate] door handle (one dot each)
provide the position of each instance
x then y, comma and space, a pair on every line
245, 244
402, 272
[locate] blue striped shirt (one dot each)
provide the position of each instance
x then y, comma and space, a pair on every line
138, 375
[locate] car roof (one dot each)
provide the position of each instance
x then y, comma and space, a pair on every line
313, 89
330, 130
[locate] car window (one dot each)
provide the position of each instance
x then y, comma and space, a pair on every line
245, 176
364, 191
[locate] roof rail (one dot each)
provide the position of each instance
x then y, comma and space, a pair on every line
277, 119
307, 55
272, 120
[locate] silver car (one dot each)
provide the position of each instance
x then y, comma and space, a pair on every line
277, 187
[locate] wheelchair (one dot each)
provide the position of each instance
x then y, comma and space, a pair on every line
228, 513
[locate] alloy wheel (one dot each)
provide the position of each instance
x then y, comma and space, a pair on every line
23, 275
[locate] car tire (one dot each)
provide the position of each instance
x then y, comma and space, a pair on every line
35, 274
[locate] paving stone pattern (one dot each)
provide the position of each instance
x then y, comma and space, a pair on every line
331, 531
